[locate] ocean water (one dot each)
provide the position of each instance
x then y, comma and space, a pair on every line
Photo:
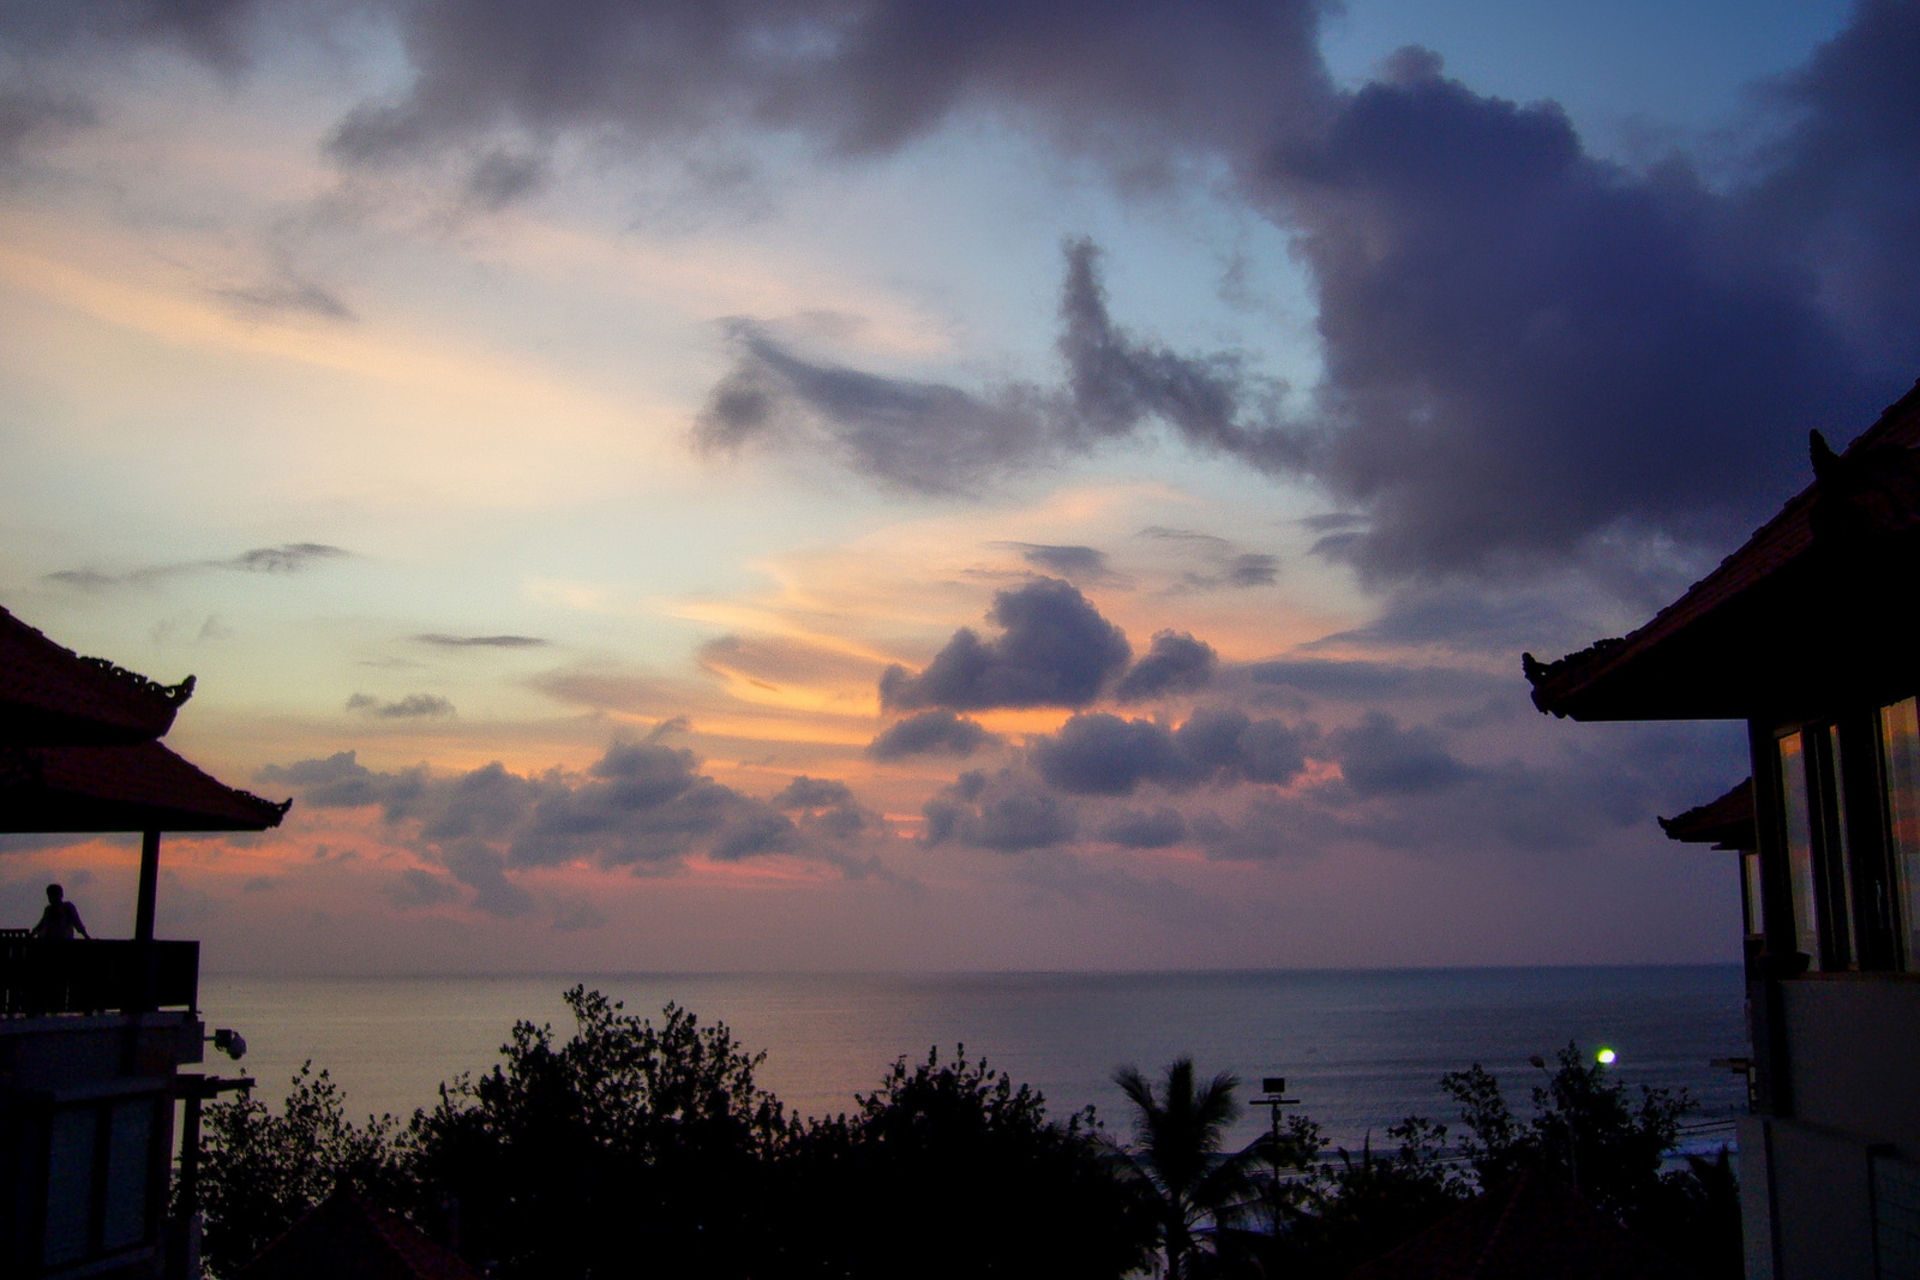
1359, 1048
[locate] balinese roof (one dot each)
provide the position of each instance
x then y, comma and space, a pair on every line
143, 787
1801, 615
51, 695
1725, 823
345, 1236
1535, 1226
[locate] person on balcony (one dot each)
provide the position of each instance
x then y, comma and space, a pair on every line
60, 920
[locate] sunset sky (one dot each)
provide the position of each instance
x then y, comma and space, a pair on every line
894, 485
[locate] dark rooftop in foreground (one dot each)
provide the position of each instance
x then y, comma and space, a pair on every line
52, 695
1534, 1227
345, 1236
1724, 823
143, 787
1799, 611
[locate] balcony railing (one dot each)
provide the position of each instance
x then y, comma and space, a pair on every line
41, 976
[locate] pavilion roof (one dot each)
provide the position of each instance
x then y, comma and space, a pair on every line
1799, 615
142, 787
346, 1236
51, 695
1724, 823
1533, 1226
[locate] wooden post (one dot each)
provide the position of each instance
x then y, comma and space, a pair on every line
149, 886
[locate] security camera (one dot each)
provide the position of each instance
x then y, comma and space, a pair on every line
231, 1043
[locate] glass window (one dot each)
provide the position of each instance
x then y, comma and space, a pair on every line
1752, 910
1799, 817
1900, 739
1833, 850
69, 1185
127, 1169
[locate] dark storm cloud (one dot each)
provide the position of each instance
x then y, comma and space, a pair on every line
1372, 681
1098, 754
445, 641
1176, 663
934, 438
292, 557
924, 437
1378, 757
1119, 382
936, 732
1524, 346
413, 706
1403, 790
414, 888
1002, 813
28, 118
643, 805
1145, 829
1055, 650
1844, 184
1119, 78
213, 31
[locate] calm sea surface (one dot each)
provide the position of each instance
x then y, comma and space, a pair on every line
1360, 1048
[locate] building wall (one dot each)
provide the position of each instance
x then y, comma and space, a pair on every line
86, 1130
1828, 1190
1853, 1054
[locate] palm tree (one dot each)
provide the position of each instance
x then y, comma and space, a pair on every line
1176, 1160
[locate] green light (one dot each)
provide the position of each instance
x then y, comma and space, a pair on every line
1605, 1057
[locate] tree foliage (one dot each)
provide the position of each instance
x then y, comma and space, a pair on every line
1192, 1189
568, 1155
260, 1171
630, 1148
951, 1170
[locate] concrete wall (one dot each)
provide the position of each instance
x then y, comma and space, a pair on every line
1852, 1047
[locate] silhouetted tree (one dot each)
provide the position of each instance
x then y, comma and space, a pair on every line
260, 1171
950, 1170
627, 1148
1190, 1187
1585, 1130
1360, 1206
1613, 1149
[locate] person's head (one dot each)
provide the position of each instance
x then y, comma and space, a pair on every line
55, 893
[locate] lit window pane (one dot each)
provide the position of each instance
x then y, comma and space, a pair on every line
1900, 732
1840, 913
1793, 787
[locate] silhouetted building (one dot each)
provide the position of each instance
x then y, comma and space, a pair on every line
95, 1032
1807, 633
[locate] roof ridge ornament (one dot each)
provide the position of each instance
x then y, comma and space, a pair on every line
171, 694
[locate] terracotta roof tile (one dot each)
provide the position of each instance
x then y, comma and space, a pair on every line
1608, 680
1724, 823
52, 695
1533, 1227
143, 787
345, 1236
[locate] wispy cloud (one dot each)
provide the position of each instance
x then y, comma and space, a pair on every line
444, 640
413, 706
288, 558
